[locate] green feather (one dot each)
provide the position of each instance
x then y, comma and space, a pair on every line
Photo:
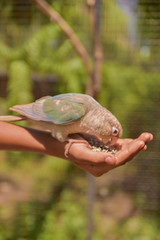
62, 109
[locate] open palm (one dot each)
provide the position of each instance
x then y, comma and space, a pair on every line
98, 163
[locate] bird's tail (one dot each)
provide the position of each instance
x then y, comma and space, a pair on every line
11, 118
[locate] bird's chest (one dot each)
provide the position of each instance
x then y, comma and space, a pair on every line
61, 132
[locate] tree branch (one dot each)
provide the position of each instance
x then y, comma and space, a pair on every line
94, 85
56, 17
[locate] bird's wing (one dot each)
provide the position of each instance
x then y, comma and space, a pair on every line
60, 109
64, 109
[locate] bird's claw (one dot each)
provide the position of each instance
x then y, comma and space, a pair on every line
70, 142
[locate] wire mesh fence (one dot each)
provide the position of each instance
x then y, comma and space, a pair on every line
125, 198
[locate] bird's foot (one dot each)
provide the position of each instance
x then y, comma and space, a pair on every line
70, 142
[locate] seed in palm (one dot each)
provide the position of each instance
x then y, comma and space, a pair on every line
97, 146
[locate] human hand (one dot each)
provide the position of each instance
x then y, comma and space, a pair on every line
98, 163
16, 138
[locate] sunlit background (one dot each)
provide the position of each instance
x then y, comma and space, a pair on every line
46, 198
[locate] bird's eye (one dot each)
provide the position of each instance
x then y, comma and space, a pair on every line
115, 131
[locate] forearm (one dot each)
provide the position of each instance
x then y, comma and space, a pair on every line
16, 138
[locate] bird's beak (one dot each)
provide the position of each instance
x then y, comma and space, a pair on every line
112, 141
120, 133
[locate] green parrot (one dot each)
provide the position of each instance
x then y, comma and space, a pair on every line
70, 113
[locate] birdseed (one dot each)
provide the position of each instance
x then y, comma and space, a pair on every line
107, 149
96, 146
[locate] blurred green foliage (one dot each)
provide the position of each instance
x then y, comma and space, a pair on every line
149, 25
49, 205
137, 227
68, 221
19, 79
128, 91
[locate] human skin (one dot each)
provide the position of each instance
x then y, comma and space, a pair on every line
16, 138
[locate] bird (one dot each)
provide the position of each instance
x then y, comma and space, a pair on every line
70, 113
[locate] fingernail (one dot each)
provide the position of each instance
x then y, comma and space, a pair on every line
109, 160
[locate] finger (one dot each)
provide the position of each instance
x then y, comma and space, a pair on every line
129, 152
122, 141
144, 148
146, 137
81, 152
95, 169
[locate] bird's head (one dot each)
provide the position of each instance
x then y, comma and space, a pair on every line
111, 130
